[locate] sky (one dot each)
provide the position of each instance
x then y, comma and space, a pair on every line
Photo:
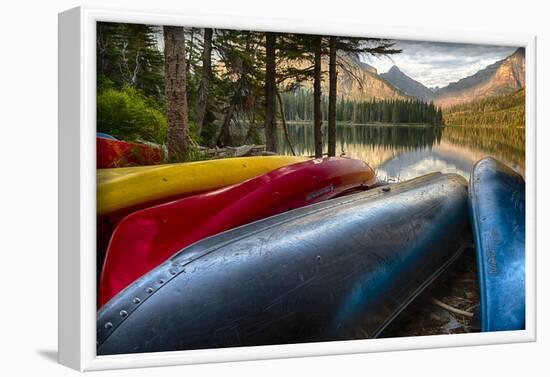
438, 64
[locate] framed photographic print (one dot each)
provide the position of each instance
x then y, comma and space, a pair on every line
237, 189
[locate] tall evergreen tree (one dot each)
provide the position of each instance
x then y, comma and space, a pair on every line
349, 46
177, 138
243, 59
270, 87
317, 114
128, 54
206, 80
332, 97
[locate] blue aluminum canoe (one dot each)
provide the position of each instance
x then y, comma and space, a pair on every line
497, 209
339, 270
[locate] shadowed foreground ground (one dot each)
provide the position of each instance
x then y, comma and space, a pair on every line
457, 287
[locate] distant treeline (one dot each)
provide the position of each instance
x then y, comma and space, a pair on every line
502, 111
298, 106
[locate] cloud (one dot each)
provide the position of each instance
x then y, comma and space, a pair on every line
438, 64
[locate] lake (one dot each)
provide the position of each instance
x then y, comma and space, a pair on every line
401, 152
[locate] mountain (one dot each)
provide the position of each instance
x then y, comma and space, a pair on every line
358, 62
407, 85
503, 77
357, 80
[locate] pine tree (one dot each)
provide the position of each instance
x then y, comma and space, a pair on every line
332, 97
317, 114
206, 80
176, 93
128, 54
270, 87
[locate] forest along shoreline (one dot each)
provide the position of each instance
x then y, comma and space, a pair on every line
188, 87
235, 88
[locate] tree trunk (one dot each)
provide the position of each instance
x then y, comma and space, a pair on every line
224, 137
332, 97
283, 121
177, 135
202, 103
191, 45
317, 114
270, 86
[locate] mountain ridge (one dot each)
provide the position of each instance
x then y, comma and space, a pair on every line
499, 78
406, 84
359, 81
502, 77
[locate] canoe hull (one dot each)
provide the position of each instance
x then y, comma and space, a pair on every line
337, 270
497, 207
121, 189
146, 238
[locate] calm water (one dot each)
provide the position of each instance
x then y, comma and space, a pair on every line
406, 151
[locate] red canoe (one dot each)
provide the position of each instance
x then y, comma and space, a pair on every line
146, 238
113, 153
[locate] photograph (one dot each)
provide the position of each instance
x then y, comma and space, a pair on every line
260, 188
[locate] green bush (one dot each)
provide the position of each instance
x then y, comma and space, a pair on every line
129, 115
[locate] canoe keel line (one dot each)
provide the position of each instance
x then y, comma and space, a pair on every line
336, 270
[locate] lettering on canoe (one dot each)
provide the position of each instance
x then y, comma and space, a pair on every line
324, 190
491, 242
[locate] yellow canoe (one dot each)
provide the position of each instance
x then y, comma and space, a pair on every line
121, 188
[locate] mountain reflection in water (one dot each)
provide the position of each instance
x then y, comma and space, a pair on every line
403, 152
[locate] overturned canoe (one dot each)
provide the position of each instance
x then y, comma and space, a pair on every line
112, 153
497, 207
146, 238
337, 270
122, 188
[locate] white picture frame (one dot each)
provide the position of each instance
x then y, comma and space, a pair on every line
77, 185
